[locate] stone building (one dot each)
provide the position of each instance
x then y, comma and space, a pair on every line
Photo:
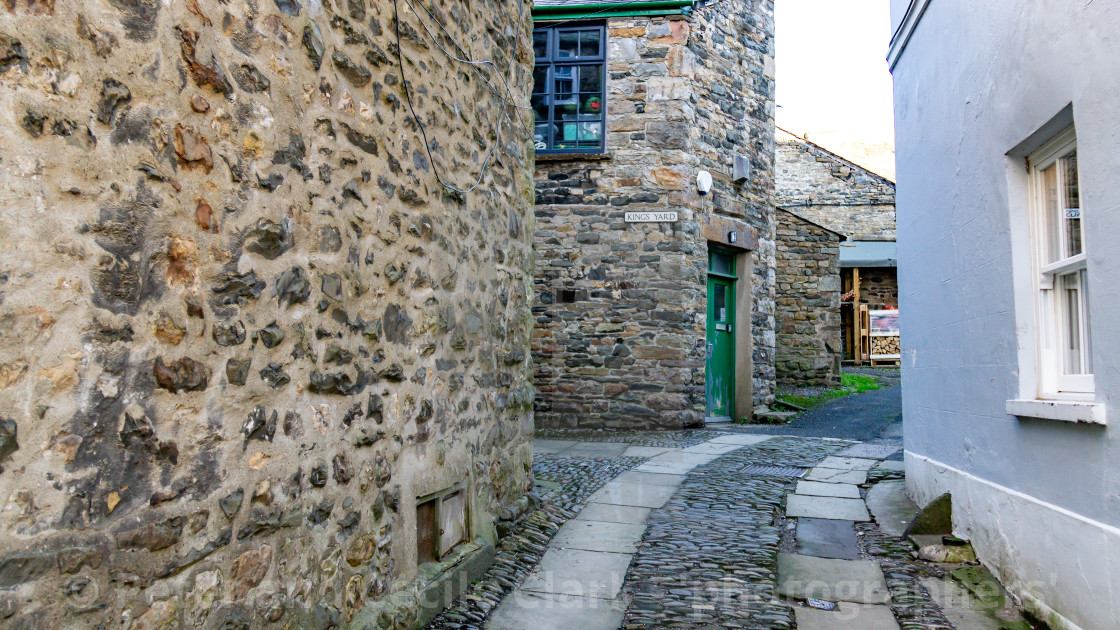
257, 366
842, 196
808, 303
655, 304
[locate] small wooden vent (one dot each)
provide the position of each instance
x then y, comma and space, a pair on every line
441, 523
427, 534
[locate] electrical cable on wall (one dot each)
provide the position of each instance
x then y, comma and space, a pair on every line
504, 116
464, 52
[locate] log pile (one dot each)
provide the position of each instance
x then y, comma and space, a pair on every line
885, 345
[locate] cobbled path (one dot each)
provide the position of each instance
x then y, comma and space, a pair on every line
910, 601
709, 557
570, 480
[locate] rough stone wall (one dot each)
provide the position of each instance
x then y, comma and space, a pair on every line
620, 319
833, 192
808, 302
878, 287
242, 326
734, 48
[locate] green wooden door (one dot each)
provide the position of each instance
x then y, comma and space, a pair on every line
721, 338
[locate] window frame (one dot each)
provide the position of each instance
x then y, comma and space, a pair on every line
552, 60
1054, 382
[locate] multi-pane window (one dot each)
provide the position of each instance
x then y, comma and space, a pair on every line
569, 98
1066, 356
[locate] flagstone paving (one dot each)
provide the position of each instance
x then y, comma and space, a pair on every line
821, 489
827, 507
827, 538
684, 530
802, 577
892, 508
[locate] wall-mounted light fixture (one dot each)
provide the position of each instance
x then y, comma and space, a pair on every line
732, 236
703, 182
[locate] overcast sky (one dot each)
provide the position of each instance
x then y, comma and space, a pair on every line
832, 77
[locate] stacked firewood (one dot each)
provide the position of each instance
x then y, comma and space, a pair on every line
885, 345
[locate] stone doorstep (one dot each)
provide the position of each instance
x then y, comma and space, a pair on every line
834, 508
859, 581
849, 617
847, 463
599, 536
823, 489
543, 611
581, 573
833, 475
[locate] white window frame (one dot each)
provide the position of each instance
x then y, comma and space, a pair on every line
1050, 318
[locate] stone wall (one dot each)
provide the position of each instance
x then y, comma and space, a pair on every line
621, 307
808, 302
878, 287
242, 327
831, 191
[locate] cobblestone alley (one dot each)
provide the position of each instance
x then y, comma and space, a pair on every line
725, 528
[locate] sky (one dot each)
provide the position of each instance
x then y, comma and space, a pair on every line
832, 78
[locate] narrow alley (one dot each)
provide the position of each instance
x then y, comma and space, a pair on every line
726, 527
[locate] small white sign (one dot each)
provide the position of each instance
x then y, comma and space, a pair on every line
651, 217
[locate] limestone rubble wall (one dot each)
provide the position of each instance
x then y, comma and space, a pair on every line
834, 193
808, 302
242, 326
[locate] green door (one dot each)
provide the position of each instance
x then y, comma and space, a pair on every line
721, 338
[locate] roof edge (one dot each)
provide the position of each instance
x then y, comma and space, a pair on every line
843, 237
814, 146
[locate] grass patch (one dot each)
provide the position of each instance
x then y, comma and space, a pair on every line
849, 384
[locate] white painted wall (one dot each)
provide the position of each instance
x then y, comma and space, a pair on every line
1040, 498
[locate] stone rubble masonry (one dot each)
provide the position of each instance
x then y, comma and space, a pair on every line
878, 287
242, 327
808, 302
620, 317
831, 191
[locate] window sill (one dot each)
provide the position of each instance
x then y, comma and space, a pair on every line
573, 157
1063, 410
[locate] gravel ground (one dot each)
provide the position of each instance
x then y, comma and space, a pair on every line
564, 483
709, 557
